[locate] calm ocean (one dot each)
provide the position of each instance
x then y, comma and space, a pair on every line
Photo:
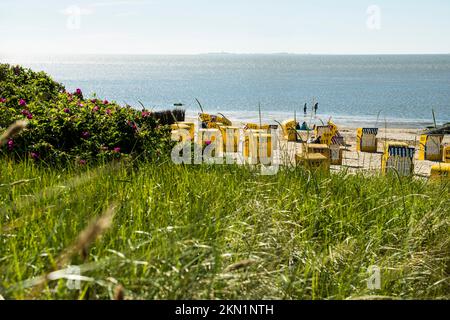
398, 90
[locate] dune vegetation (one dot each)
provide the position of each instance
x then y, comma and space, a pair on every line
160, 231
88, 213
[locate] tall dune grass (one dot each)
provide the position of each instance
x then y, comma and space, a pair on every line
223, 232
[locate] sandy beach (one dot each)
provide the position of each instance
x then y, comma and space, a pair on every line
372, 161
361, 161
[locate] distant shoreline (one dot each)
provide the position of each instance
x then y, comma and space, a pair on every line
61, 54
241, 117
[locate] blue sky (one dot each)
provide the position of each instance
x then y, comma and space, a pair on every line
239, 26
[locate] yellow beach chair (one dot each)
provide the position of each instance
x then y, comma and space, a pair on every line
258, 146
440, 171
430, 147
446, 154
322, 149
191, 127
325, 133
230, 137
366, 140
212, 135
289, 128
313, 161
398, 156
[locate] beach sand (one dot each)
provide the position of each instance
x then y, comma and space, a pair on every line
370, 162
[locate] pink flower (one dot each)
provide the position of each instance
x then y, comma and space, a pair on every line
132, 124
22, 102
85, 135
145, 114
78, 92
93, 100
106, 102
95, 109
81, 105
117, 149
10, 144
27, 114
82, 162
2, 100
66, 110
35, 155
207, 142
108, 111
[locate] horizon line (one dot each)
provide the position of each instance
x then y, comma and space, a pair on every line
219, 53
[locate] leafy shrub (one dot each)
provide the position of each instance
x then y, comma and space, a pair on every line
168, 117
65, 126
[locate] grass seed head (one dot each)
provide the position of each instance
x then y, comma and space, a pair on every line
12, 131
119, 293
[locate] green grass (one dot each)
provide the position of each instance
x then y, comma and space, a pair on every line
179, 231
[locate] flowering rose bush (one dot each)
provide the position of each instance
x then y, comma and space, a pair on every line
64, 126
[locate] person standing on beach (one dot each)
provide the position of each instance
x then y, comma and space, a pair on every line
305, 109
316, 106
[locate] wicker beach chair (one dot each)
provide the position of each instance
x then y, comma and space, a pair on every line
398, 157
289, 128
325, 133
446, 154
258, 146
440, 171
430, 147
366, 140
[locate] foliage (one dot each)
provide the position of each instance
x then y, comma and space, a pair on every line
65, 126
223, 232
168, 117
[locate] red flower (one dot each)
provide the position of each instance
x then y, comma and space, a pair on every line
22, 102
2, 100
117, 149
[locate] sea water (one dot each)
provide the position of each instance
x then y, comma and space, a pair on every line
370, 90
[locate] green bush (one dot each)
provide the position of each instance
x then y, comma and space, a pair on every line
65, 126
